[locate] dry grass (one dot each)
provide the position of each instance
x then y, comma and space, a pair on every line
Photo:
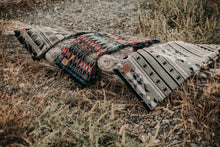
197, 102
195, 21
41, 107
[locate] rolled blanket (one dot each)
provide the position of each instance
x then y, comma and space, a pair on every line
80, 57
107, 62
153, 73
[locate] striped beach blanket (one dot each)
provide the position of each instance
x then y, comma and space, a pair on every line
153, 73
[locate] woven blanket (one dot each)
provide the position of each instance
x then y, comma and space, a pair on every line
80, 57
153, 73
38, 40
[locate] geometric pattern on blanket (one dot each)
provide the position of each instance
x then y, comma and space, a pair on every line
153, 73
80, 57
38, 40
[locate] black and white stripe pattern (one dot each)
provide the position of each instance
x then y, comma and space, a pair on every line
153, 73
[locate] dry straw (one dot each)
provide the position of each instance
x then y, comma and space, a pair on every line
40, 107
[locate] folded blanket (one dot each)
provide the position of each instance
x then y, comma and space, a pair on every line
80, 57
38, 40
153, 73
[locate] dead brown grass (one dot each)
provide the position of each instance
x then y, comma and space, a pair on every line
197, 102
39, 106
193, 21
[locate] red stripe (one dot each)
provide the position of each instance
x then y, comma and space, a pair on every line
74, 59
88, 68
84, 67
70, 55
92, 71
131, 43
79, 62
65, 51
